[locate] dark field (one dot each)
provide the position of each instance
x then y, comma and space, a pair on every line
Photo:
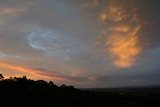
29, 93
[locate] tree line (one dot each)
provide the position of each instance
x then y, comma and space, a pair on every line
20, 91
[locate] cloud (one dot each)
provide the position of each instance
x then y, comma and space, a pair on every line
122, 33
125, 49
34, 72
113, 13
43, 73
51, 43
90, 4
9, 13
11, 56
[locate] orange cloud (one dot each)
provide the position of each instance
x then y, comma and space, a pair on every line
34, 72
122, 43
113, 13
124, 48
120, 28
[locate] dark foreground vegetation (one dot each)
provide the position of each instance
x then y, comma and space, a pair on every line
23, 92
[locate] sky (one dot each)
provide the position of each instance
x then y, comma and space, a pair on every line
85, 43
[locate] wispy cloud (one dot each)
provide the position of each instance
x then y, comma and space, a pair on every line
43, 73
34, 72
11, 56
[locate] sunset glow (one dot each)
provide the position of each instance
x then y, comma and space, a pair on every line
30, 71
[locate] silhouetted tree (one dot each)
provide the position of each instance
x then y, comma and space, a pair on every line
24, 77
1, 76
51, 83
